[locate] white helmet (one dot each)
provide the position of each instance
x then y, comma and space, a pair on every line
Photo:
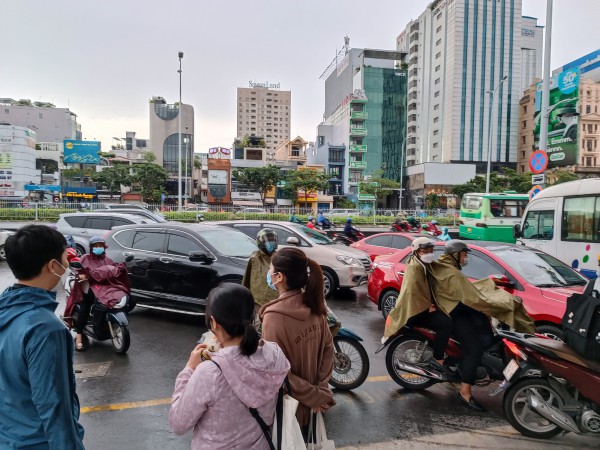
422, 243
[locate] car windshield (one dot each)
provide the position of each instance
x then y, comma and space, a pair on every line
230, 242
538, 268
312, 235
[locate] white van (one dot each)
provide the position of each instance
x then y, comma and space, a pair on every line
564, 221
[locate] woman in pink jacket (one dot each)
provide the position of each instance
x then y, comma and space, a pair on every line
213, 397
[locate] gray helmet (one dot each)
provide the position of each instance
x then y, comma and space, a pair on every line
422, 243
456, 246
97, 240
267, 241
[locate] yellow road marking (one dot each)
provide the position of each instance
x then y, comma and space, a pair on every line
167, 401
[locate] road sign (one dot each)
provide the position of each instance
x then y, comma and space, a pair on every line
538, 161
538, 179
534, 191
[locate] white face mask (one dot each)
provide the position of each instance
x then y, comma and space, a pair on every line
62, 279
428, 258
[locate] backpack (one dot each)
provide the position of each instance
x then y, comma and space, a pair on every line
581, 323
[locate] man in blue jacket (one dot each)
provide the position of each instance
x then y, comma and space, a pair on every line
39, 409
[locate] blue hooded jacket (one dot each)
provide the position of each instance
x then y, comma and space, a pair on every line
39, 409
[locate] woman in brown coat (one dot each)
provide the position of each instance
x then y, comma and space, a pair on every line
297, 322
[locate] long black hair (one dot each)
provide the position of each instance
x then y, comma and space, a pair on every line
232, 307
302, 272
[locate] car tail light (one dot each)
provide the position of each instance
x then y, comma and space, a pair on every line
515, 350
481, 225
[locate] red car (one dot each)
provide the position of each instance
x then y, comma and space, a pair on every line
543, 282
381, 244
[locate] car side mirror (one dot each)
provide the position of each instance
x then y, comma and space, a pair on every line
292, 240
200, 257
129, 258
502, 281
517, 233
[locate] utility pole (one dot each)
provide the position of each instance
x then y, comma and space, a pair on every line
179, 116
490, 126
543, 145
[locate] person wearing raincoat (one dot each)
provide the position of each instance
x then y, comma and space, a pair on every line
444, 236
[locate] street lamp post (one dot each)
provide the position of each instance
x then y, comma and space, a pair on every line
179, 158
187, 141
545, 109
490, 125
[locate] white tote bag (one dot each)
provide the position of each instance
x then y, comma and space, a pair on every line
291, 435
322, 443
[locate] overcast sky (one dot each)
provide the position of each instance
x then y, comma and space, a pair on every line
106, 58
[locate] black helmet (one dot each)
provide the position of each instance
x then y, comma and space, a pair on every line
266, 239
456, 246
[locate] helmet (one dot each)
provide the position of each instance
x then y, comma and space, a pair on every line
425, 226
434, 222
349, 219
422, 243
97, 240
71, 254
455, 246
309, 218
267, 241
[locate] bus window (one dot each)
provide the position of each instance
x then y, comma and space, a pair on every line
507, 208
580, 219
539, 225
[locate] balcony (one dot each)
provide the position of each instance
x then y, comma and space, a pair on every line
358, 164
358, 131
359, 100
358, 148
359, 115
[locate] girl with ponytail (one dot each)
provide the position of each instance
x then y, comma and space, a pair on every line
297, 322
215, 390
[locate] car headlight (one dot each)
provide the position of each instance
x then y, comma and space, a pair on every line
348, 260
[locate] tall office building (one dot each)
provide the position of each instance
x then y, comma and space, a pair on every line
458, 50
532, 51
264, 112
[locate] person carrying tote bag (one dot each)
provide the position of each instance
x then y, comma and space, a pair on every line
215, 398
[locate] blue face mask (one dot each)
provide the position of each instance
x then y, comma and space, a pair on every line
270, 247
98, 251
269, 282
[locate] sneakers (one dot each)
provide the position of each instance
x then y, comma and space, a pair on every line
471, 403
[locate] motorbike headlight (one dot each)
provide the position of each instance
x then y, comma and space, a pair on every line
349, 261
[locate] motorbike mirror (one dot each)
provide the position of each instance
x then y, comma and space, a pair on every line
129, 258
292, 240
502, 281
200, 257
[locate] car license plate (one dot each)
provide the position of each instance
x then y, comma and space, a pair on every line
510, 369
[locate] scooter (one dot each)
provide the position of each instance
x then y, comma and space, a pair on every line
325, 225
410, 349
103, 323
550, 388
341, 238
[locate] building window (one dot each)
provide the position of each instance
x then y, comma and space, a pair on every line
6, 111
438, 29
435, 145
439, 41
436, 107
525, 108
524, 124
588, 109
439, 16
437, 81
436, 119
436, 132
438, 55
171, 152
523, 139
437, 94
437, 69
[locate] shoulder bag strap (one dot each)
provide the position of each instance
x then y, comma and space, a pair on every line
263, 426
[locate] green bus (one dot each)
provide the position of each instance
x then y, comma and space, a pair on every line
491, 217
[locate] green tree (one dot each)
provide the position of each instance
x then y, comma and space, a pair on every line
260, 179
383, 188
562, 176
432, 200
306, 180
344, 203
71, 174
505, 180
113, 177
149, 157
197, 162
152, 179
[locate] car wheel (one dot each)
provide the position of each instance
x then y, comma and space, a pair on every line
329, 286
554, 332
387, 302
2, 253
80, 250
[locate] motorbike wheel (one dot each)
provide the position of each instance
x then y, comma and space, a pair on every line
121, 339
524, 420
408, 349
350, 364
388, 301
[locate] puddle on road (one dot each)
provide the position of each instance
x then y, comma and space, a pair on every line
92, 370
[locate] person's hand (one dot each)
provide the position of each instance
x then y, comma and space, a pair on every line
432, 309
195, 356
82, 277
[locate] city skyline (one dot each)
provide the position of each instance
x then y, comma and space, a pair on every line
108, 77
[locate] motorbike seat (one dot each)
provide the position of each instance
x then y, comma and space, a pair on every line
565, 352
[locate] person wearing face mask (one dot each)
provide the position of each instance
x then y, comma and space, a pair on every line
297, 322
417, 304
255, 277
39, 407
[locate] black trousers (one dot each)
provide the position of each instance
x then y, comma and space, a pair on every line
438, 322
84, 311
471, 329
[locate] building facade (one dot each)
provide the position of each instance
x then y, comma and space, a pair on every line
532, 51
164, 136
458, 50
265, 112
17, 162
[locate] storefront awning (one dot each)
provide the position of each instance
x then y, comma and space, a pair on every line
246, 203
284, 202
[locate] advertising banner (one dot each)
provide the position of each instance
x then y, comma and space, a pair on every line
563, 120
81, 152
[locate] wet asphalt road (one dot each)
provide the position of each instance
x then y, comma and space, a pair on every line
126, 407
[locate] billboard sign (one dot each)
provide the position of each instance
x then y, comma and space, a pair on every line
81, 152
563, 118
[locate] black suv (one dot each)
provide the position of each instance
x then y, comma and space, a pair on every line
176, 265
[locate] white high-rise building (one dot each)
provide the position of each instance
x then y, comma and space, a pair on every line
458, 50
532, 51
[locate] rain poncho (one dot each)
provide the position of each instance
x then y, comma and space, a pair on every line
255, 278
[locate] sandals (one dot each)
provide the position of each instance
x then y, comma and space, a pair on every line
79, 345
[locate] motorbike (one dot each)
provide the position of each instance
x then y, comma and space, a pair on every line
325, 225
406, 227
103, 323
350, 359
432, 229
341, 238
409, 351
549, 388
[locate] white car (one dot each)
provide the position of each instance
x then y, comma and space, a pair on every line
3, 237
